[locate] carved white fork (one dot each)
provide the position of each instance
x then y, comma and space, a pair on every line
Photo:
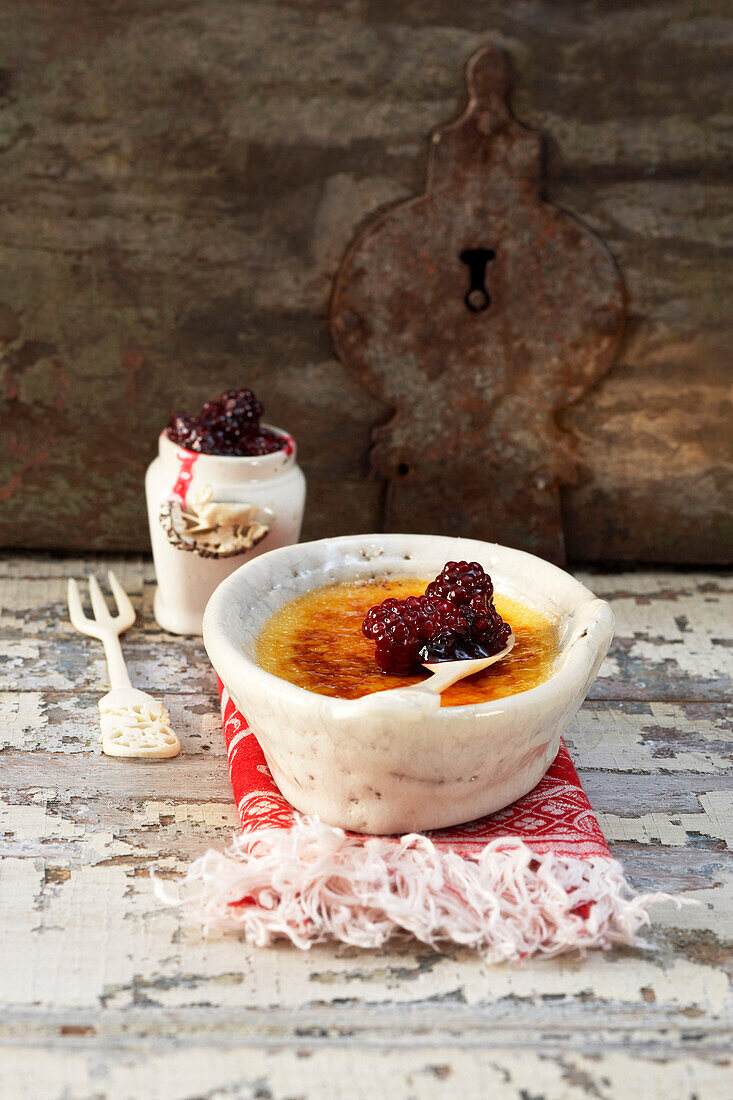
133, 723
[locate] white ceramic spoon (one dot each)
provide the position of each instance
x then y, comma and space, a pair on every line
426, 694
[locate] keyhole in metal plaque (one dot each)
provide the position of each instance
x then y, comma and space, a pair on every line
477, 296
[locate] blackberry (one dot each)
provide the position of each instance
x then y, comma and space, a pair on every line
182, 429
454, 621
261, 442
460, 582
469, 587
407, 631
229, 425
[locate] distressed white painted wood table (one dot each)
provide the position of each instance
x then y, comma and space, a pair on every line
106, 994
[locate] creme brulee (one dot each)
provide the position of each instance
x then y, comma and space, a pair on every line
315, 641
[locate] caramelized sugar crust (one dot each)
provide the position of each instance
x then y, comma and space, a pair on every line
315, 641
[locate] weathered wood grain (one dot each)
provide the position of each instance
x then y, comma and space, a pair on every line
100, 941
671, 643
246, 1074
181, 181
653, 439
615, 736
105, 993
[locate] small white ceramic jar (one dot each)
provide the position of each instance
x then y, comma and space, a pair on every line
209, 514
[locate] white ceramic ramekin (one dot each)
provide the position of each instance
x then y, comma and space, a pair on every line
393, 768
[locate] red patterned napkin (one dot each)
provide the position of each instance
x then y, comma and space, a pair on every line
537, 877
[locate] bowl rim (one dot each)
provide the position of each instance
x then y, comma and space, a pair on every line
593, 629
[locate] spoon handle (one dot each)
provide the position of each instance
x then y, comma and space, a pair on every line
399, 704
441, 679
418, 698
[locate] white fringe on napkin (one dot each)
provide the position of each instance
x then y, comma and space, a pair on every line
312, 882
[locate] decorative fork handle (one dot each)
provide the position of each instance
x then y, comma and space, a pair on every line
136, 725
118, 674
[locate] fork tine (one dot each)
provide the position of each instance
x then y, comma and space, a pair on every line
99, 604
126, 616
76, 614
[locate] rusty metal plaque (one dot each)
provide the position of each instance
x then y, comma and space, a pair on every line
478, 311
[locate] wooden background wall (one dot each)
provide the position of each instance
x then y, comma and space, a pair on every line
180, 181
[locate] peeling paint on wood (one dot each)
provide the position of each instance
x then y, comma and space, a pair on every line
715, 821
106, 994
432, 1074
